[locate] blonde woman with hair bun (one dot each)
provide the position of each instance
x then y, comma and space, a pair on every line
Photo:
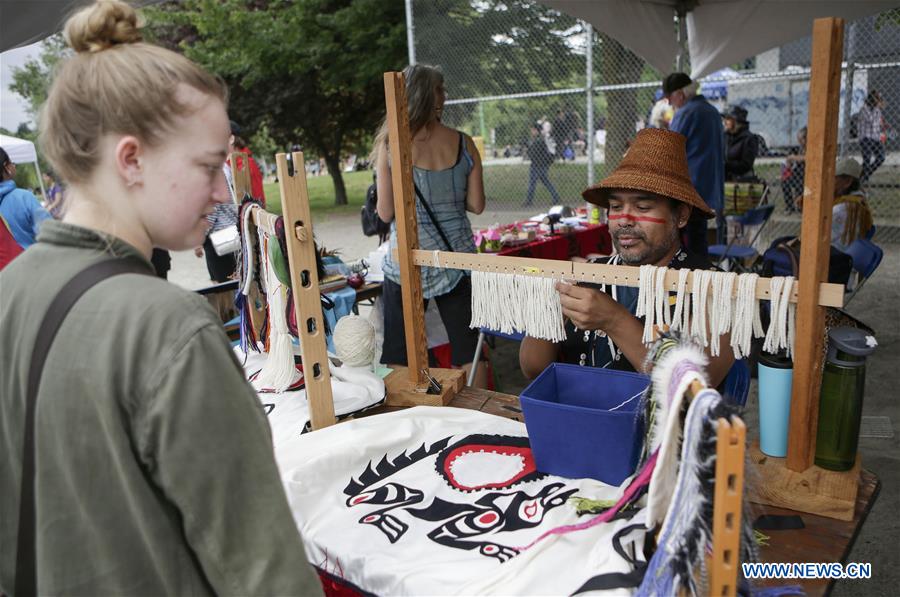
153, 469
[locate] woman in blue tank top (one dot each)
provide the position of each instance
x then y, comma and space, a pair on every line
448, 175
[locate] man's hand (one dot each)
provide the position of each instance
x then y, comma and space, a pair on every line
198, 251
588, 309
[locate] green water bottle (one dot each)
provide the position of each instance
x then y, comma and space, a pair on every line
841, 399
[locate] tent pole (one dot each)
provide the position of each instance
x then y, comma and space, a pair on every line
41, 182
589, 98
848, 96
681, 36
410, 32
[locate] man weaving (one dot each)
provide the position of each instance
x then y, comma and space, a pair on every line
649, 198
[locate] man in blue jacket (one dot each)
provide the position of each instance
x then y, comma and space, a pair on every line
19, 207
701, 123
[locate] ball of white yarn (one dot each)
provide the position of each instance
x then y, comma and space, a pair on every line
354, 341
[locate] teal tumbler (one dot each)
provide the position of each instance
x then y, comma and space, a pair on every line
776, 374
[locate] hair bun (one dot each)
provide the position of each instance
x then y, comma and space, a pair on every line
101, 25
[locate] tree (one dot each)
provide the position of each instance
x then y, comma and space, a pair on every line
619, 65
312, 68
32, 80
263, 145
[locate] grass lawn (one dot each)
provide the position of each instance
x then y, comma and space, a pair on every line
507, 184
321, 193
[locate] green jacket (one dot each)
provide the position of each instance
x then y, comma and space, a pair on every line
155, 471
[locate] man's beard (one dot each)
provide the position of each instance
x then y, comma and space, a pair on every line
650, 254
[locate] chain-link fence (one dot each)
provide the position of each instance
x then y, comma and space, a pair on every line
522, 76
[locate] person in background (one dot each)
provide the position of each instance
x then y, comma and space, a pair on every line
154, 470
870, 128
661, 113
9, 248
792, 173
701, 124
238, 145
162, 262
447, 173
741, 146
851, 217
221, 267
541, 160
54, 199
649, 198
19, 207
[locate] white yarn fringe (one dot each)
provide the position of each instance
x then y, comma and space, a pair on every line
781, 332
279, 371
514, 303
703, 313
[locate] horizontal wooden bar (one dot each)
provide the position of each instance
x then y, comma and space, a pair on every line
264, 219
830, 295
493, 263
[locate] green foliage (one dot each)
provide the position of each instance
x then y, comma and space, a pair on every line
494, 57
32, 80
507, 46
262, 144
321, 194
311, 68
888, 18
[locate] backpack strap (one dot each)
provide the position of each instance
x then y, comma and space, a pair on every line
432, 217
26, 548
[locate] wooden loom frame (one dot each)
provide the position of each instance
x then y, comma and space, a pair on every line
730, 445
810, 293
304, 277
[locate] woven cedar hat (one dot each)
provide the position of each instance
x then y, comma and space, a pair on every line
656, 162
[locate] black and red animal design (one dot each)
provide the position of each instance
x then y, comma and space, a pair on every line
487, 465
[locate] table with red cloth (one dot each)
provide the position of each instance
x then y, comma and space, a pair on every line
577, 242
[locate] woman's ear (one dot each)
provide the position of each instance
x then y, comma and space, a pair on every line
128, 154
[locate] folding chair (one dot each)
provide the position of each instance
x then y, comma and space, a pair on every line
866, 257
758, 216
482, 332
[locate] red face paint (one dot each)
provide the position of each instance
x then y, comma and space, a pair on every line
637, 218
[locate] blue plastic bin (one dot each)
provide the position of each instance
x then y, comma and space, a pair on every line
573, 433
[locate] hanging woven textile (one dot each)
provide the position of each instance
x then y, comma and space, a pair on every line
516, 303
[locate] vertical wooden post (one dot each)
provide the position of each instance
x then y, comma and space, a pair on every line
815, 233
727, 507
241, 177
407, 226
305, 284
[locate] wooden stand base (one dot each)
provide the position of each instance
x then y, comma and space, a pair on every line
816, 490
402, 392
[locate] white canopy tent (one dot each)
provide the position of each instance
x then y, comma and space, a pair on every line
719, 32
21, 151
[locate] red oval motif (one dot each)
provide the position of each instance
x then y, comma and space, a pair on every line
487, 518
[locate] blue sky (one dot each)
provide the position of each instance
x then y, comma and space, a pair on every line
12, 107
